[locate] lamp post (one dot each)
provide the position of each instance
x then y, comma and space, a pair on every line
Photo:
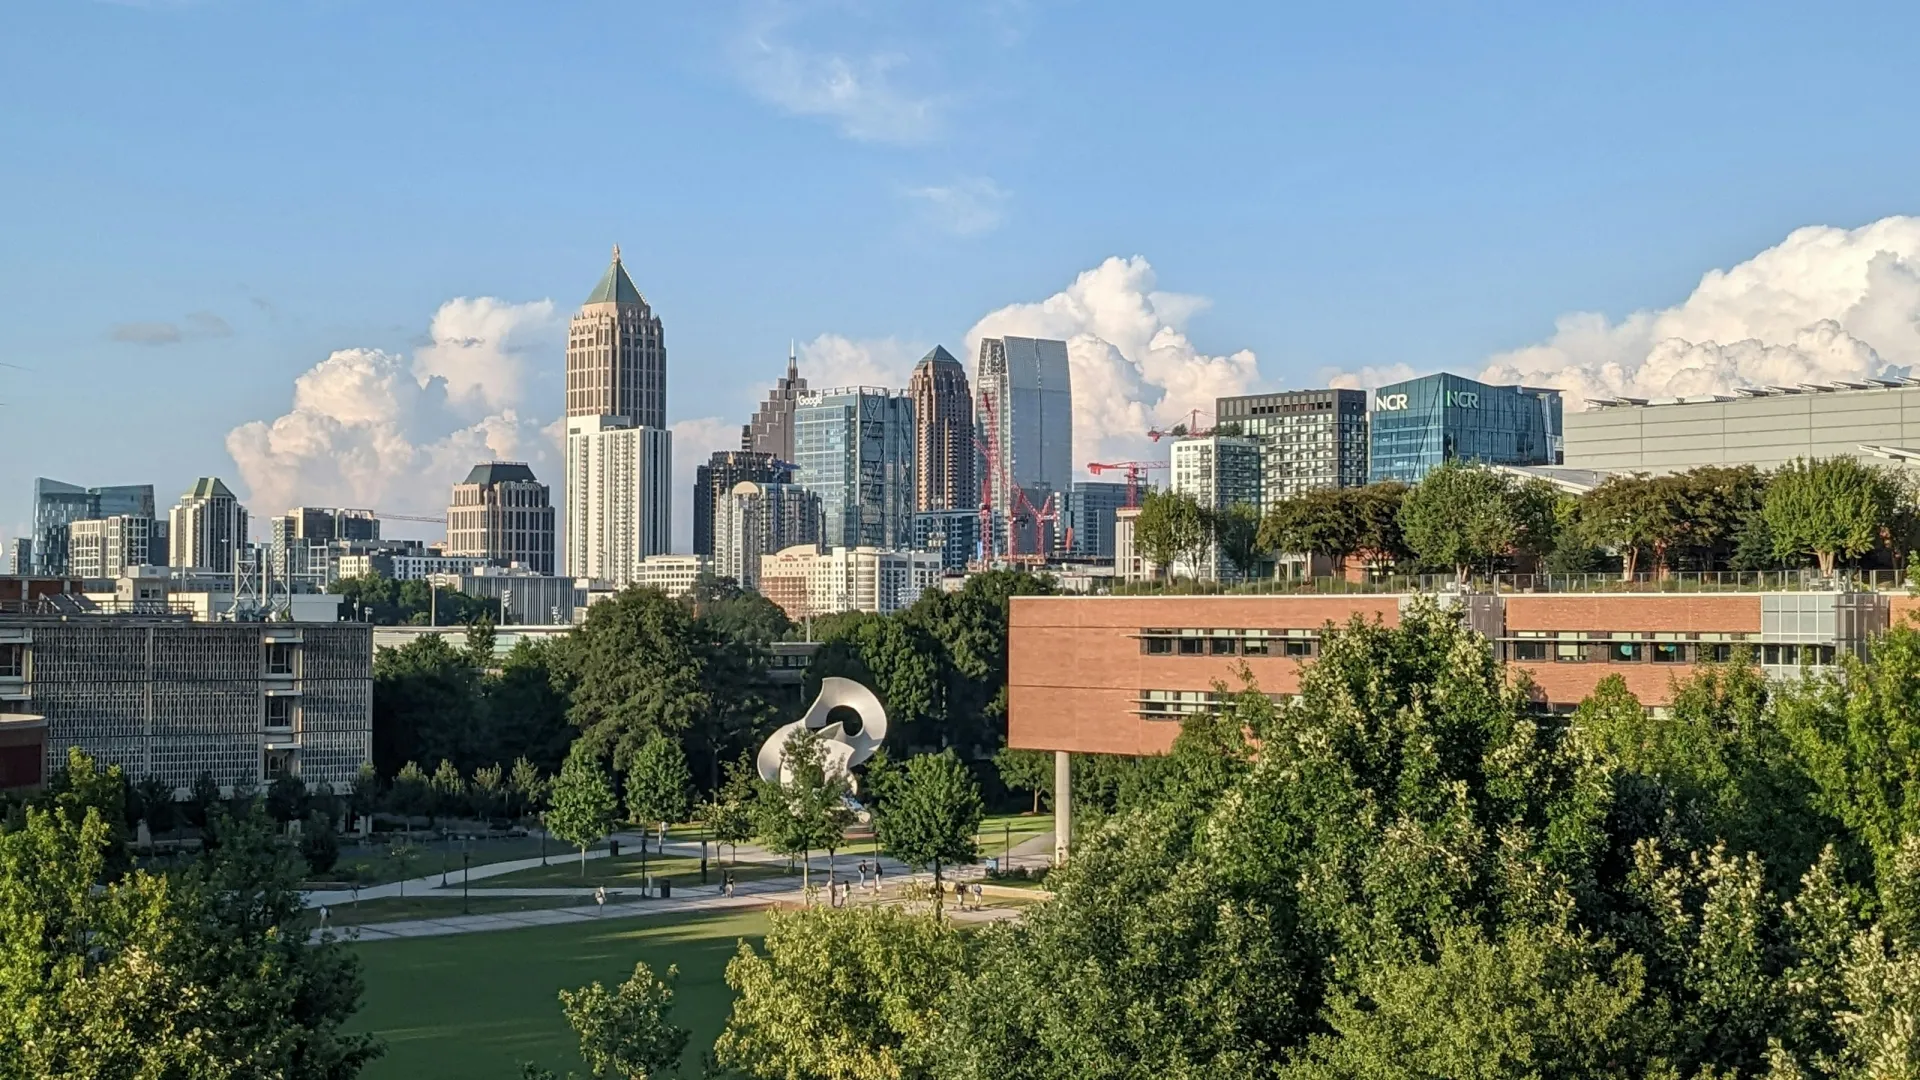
542, 816
703, 853
466, 866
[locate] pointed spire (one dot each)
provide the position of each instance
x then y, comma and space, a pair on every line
616, 253
793, 362
615, 286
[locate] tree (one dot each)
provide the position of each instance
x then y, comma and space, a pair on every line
287, 798
1832, 509
157, 807
480, 639
1172, 526
804, 811
627, 1032
1315, 523
1375, 512
728, 811
525, 786
845, 994
1459, 515
583, 803
931, 815
735, 613
449, 789
363, 798
1026, 770
526, 702
411, 793
489, 790
1631, 514
202, 797
318, 845
426, 704
1236, 530
658, 789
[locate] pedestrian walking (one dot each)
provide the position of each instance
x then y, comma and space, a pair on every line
600, 897
729, 884
979, 895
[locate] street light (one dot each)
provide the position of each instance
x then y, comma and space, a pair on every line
466, 864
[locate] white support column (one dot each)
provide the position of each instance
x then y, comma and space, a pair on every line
1062, 805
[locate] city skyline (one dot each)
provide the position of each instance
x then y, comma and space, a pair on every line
370, 348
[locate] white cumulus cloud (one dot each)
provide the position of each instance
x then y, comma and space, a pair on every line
370, 428
1132, 364
1824, 304
694, 441
831, 361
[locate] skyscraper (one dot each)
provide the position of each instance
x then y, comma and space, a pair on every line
1309, 439
616, 356
943, 434
1218, 471
207, 528
107, 547
755, 519
1023, 404
619, 497
57, 505
854, 447
771, 430
714, 480
501, 513
619, 452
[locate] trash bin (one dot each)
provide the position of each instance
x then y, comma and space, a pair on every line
613, 848
666, 888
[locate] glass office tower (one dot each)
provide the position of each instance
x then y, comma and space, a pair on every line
854, 448
57, 505
1421, 423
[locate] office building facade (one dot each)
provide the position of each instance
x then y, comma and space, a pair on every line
806, 582
19, 558
1023, 406
854, 449
305, 541
108, 547
503, 514
617, 354
171, 698
756, 519
944, 451
1218, 471
207, 528
526, 598
1420, 424
619, 497
713, 481
1089, 518
1309, 440
770, 432
953, 534
1875, 420
57, 505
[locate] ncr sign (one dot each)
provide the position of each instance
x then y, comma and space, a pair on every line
1457, 399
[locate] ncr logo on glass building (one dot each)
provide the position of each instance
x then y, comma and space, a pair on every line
1418, 424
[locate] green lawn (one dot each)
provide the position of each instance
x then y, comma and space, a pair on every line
440, 905
475, 1005
430, 857
996, 830
625, 871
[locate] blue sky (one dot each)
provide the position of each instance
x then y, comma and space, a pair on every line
205, 200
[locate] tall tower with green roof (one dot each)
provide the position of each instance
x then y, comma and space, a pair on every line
616, 355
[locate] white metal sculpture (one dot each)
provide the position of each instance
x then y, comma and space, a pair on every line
841, 749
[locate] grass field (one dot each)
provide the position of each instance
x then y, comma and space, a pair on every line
624, 871
476, 1005
439, 905
379, 865
997, 829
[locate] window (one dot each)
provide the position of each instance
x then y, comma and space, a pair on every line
1221, 646
280, 712
1780, 654
1720, 653
1527, 650
1254, 646
1625, 652
1192, 646
1299, 647
1570, 649
1157, 646
279, 658
1669, 652
13, 661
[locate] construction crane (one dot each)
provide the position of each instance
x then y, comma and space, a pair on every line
1189, 426
1136, 472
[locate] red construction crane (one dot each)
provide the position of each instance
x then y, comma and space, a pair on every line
1136, 472
1190, 426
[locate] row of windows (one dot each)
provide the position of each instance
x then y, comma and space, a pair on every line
1528, 647
1295, 643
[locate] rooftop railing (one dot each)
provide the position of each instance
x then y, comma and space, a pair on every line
1691, 581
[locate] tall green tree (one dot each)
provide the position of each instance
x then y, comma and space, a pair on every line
526, 787
426, 704
728, 810
931, 814
1026, 770
659, 789
1634, 514
1833, 508
1172, 527
583, 805
1462, 515
841, 994
525, 705
1236, 530
1315, 523
627, 1033
805, 810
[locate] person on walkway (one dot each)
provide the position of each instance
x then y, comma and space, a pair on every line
600, 897
979, 895
729, 884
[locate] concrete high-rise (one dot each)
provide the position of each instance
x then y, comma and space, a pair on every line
619, 497
1218, 471
854, 447
1309, 440
616, 355
943, 458
57, 505
755, 519
207, 528
107, 547
771, 430
1023, 405
714, 480
501, 513
619, 452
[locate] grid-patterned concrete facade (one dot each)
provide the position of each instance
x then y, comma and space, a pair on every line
1767, 427
501, 513
170, 698
1309, 439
